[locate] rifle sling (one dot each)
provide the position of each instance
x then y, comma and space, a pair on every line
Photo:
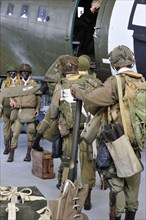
119, 84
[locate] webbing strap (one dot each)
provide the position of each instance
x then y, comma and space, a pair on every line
119, 84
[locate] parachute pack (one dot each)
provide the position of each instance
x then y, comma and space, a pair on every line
133, 107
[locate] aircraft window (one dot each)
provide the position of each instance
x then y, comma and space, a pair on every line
24, 11
42, 13
10, 9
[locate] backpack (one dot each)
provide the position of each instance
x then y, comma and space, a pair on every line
133, 107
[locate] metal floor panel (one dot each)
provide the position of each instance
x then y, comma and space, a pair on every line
18, 173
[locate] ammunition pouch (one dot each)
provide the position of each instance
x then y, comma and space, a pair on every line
93, 128
64, 131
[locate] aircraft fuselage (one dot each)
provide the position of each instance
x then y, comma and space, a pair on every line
37, 32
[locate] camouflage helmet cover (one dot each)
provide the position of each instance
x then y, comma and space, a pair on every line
84, 62
121, 56
12, 68
25, 67
68, 64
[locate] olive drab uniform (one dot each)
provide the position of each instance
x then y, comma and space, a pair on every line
125, 189
66, 110
9, 114
27, 106
63, 106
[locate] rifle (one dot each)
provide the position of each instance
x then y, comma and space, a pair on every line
74, 149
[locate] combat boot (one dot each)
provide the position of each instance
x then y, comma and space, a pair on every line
36, 143
7, 146
87, 204
58, 185
7, 149
11, 155
115, 218
28, 155
129, 215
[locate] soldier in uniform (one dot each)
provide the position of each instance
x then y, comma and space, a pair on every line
61, 111
95, 5
8, 113
52, 77
28, 107
125, 189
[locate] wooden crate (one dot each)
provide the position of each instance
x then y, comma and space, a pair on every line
42, 164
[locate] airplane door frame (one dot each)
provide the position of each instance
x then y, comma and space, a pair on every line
101, 37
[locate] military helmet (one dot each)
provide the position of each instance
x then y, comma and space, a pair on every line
121, 56
25, 68
12, 68
67, 64
84, 62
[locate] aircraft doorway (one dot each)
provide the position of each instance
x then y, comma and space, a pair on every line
83, 40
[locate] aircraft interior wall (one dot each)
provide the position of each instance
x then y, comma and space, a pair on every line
84, 29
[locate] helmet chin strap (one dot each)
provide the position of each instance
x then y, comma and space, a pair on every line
13, 80
25, 81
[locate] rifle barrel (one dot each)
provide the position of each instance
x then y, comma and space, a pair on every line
75, 140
